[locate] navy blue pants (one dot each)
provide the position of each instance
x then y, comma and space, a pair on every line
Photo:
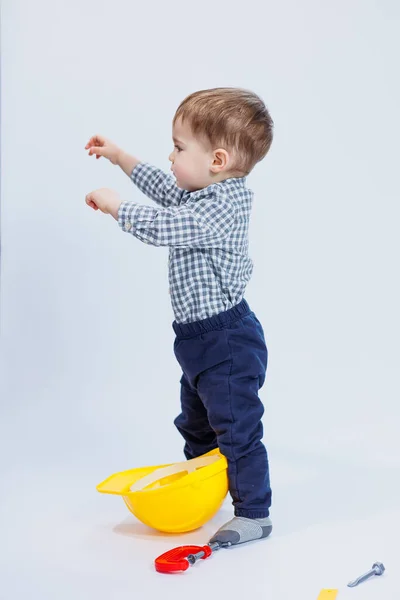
224, 361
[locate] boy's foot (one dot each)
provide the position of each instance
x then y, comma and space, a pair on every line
241, 529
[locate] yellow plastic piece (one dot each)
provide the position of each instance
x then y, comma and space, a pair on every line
173, 498
328, 594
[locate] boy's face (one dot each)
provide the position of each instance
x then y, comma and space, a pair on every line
191, 160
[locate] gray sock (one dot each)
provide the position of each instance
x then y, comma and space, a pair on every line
241, 529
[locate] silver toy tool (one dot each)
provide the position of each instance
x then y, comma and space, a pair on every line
377, 569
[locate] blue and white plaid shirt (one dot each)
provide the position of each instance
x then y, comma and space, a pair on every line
207, 235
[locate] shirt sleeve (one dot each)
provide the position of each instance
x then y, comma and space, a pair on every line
203, 223
157, 185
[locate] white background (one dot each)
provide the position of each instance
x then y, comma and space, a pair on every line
89, 384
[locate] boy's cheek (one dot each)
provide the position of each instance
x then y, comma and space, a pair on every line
181, 173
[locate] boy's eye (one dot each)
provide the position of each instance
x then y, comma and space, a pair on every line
179, 149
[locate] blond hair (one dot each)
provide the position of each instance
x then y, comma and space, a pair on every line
234, 118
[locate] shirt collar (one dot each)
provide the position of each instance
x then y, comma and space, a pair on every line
239, 181
227, 183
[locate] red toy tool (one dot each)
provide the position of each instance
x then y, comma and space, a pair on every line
181, 558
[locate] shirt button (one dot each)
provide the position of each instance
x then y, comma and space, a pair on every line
128, 226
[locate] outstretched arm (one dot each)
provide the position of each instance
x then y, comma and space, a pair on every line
204, 223
156, 185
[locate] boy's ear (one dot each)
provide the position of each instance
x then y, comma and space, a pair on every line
220, 160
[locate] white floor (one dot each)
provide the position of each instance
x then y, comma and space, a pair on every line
333, 516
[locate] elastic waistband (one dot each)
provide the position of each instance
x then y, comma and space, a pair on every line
187, 330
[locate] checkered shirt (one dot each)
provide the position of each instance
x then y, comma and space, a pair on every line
207, 235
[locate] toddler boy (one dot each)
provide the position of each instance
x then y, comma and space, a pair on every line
203, 217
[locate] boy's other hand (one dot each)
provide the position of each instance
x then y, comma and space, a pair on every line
106, 200
101, 146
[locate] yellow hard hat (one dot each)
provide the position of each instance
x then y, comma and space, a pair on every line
173, 498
